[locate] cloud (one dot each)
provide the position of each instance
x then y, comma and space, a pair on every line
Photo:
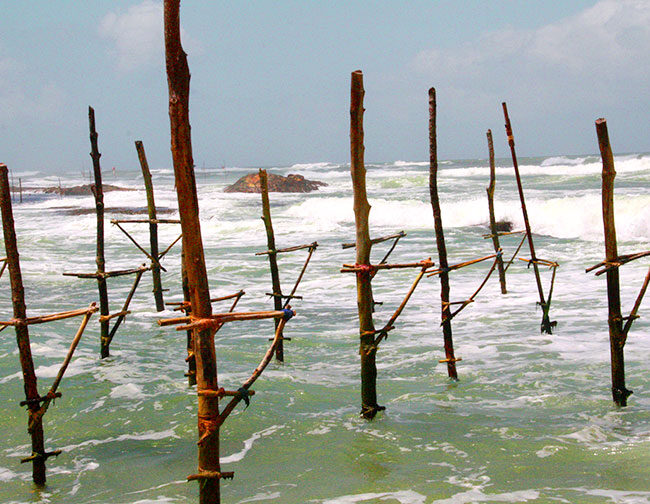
136, 36
606, 44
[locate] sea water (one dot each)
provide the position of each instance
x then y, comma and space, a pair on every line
530, 420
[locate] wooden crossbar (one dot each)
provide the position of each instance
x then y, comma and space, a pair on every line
289, 249
42, 319
355, 268
145, 221
110, 274
373, 241
460, 265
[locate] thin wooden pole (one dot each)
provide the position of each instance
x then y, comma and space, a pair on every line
367, 349
98, 192
153, 226
615, 318
547, 325
22, 331
450, 358
178, 79
273, 258
190, 359
493, 220
20, 188
124, 312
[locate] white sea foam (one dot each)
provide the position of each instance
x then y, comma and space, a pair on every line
248, 444
402, 496
127, 391
144, 436
475, 496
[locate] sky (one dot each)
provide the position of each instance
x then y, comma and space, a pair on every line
271, 79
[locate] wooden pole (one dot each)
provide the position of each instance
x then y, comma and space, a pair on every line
178, 79
367, 350
493, 220
273, 258
547, 325
22, 331
98, 192
153, 226
190, 359
615, 318
450, 358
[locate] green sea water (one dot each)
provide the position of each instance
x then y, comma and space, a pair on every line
530, 420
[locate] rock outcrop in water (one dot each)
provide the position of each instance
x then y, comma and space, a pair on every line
82, 190
277, 183
504, 226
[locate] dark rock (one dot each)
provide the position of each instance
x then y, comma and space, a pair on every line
82, 190
503, 226
117, 210
277, 183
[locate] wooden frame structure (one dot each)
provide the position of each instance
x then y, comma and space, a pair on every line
280, 301
101, 275
444, 269
545, 303
619, 326
153, 254
201, 321
37, 405
369, 337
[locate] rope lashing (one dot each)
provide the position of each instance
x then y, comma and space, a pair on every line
364, 269
288, 314
242, 393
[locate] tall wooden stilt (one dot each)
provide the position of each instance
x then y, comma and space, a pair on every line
22, 331
493, 220
615, 318
273, 258
450, 358
546, 325
98, 192
153, 227
367, 349
178, 78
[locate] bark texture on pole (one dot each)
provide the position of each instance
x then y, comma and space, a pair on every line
367, 350
493, 220
22, 332
615, 318
273, 257
546, 325
450, 358
98, 192
178, 79
153, 227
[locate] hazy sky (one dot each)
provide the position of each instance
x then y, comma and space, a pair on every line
270, 79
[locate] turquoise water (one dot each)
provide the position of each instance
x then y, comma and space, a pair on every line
531, 419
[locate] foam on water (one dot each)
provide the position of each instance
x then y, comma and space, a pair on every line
526, 404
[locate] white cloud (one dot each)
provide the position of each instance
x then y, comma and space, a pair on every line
608, 43
137, 36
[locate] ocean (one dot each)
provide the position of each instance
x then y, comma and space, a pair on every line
531, 418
